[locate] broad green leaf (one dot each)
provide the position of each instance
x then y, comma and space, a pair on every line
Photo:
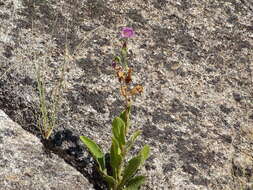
109, 179
144, 153
135, 183
115, 157
95, 151
115, 144
118, 129
125, 117
131, 168
132, 139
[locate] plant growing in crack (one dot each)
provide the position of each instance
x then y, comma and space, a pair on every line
123, 175
47, 119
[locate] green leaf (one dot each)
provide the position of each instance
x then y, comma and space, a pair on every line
115, 157
135, 183
131, 168
123, 53
144, 153
132, 139
118, 59
118, 129
125, 117
109, 179
95, 151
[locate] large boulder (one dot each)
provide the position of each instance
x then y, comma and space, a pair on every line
24, 163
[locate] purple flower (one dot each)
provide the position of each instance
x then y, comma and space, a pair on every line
127, 32
113, 64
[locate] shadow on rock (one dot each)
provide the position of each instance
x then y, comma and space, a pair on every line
74, 155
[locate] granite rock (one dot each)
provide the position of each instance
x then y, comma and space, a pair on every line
26, 165
194, 59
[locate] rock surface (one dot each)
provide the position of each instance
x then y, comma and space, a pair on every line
194, 59
25, 165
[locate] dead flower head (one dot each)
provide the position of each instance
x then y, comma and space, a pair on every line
136, 90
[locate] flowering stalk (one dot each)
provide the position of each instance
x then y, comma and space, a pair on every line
123, 174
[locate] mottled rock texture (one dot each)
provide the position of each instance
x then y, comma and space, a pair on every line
194, 59
25, 165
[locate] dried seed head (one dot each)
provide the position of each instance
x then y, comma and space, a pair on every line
120, 75
136, 90
128, 78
